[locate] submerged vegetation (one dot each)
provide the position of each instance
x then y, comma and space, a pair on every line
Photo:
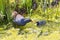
37, 10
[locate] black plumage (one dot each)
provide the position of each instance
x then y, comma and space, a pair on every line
40, 23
